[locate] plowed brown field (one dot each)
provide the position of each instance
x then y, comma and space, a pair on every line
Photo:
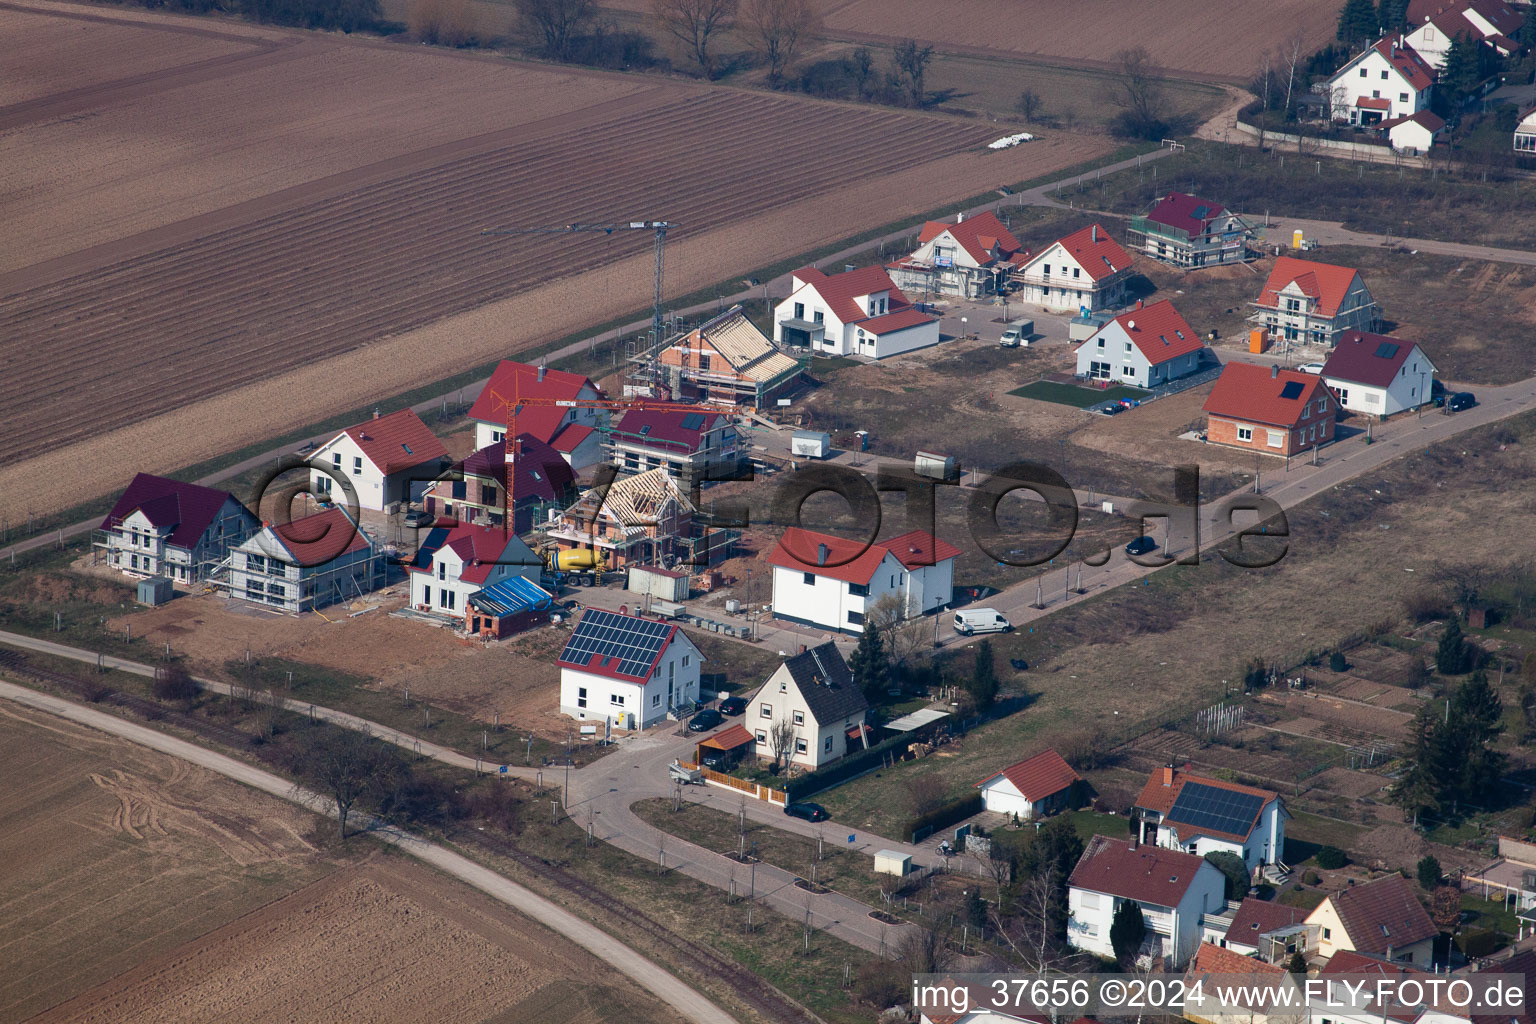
268, 219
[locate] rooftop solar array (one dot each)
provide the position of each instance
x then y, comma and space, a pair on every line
1292, 389
635, 642
1386, 350
693, 421
1216, 809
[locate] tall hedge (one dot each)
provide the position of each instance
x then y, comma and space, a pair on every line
948, 813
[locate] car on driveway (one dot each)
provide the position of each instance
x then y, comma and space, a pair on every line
1141, 546
419, 517
1461, 400
808, 811
733, 705
705, 720
1313, 368
1110, 408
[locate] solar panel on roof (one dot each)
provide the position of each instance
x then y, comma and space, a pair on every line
693, 421
634, 642
1292, 389
1386, 350
1216, 809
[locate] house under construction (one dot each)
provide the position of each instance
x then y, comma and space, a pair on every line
318, 560
645, 519
727, 361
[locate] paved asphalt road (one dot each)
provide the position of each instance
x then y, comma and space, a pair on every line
689, 1004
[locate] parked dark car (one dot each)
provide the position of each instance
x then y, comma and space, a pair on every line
720, 761
1140, 546
733, 705
705, 720
1111, 409
1461, 400
810, 812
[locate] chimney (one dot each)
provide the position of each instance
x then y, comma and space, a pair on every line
542, 369
821, 554
375, 412
960, 217
1133, 842
1274, 370
1167, 775
1138, 303
1095, 230
802, 648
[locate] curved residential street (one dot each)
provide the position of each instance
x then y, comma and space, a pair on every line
689, 1004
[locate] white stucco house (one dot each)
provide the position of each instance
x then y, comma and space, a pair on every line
627, 671
1494, 23
308, 563
1033, 788
1173, 889
1199, 815
1525, 133
1378, 375
164, 527
570, 431
1145, 347
972, 258
1313, 303
379, 462
815, 692
1380, 918
1388, 80
831, 582
1086, 270
856, 313
1415, 133
453, 564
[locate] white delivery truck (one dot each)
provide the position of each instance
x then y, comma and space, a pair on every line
969, 621
1018, 334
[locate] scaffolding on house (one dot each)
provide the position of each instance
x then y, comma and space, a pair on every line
317, 586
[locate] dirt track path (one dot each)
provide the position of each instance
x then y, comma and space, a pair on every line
689, 1004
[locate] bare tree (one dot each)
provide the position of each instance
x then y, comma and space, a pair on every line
695, 23
1029, 104
781, 739
777, 28
905, 634
557, 24
1028, 931
1465, 580
1139, 93
925, 793
861, 65
1294, 54
346, 765
909, 66
1263, 84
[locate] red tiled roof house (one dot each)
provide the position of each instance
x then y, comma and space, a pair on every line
832, 582
569, 431
308, 563
1085, 270
1388, 80
727, 361
1437, 22
1267, 409
693, 443
972, 258
1189, 232
856, 313
1381, 918
628, 671
1183, 811
1173, 890
1033, 788
1314, 303
1377, 375
454, 563
541, 478
378, 462
1145, 347
164, 527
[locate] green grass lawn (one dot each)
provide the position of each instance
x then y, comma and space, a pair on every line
1479, 913
1306, 899
1309, 831
1071, 394
1092, 823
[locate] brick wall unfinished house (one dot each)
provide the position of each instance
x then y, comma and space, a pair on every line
541, 479
1267, 409
452, 564
314, 561
383, 461
1314, 303
971, 258
727, 361
164, 527
547, 423
645, 519
1085, 270
692, 443
855, 313
1188, 232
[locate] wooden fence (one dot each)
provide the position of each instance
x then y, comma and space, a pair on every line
776, 797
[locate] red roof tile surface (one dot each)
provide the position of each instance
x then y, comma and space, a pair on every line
1252, 393
854, 561
1326, 283
1147, 874
1096, 252
1361, 357
1427, 119
1374, 103
314, 540
397, 442
520, 380
1186, 213
538, 471
1504, 18
189, 508
1382, 914
570, 437
1413, 67
480, 548
1256, 918
1162, 789
897, 320
1211, 959
980, 235
839, 291
1038, 777
1159, 332
664, 428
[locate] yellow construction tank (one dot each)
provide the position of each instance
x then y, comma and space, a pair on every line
1296, 239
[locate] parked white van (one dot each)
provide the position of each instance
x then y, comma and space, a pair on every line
980, 620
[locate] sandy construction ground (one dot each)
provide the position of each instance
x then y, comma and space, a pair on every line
385, 942
204, 270
113, 853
